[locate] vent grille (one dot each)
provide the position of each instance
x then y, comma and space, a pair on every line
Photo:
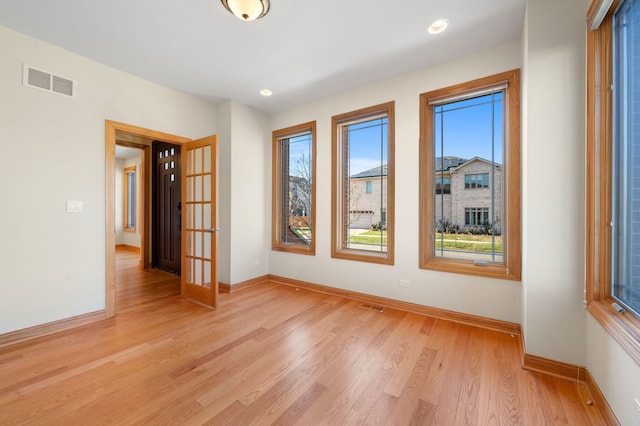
44, 80
373, 307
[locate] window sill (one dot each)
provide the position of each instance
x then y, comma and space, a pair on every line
129, 229
469, 268
623, 327
308, 250
358, 255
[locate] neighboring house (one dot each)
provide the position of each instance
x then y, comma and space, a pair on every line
368, 192
464, 192
299, 196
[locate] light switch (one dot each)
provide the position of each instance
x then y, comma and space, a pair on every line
75, 206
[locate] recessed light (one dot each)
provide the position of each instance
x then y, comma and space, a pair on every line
266, 92
438, 26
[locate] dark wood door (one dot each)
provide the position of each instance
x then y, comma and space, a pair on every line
167, 207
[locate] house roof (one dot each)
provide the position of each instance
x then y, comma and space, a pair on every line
447, 163
375, 172
453, 164
474, 159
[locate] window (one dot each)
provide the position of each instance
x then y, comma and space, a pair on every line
443, 185
470, 134
130, 199
293, 215
476, 216
626, 156
480, 180
369, 187
613, 171
363, 151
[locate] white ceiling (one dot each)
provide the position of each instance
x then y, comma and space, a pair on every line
302, 50
124, 152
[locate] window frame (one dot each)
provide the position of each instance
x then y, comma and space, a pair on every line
276, 211
337, 249
126, 225
623, 327
511, 223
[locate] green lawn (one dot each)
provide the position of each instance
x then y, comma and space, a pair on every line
464, 242
366, 238
481, 247
376, 233
470, 237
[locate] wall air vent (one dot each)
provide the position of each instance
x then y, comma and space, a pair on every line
44, 80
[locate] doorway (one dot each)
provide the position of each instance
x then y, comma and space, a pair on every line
132, 189
112, 129
200, 283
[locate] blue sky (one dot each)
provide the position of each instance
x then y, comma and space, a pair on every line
467, 134
299, 148
468, 130
367, 145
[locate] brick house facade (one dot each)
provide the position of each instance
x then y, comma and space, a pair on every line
468, 192
463, 194
368, 192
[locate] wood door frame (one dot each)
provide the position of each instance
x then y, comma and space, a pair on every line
111, 127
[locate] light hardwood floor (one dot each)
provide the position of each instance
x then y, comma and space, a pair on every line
272, 354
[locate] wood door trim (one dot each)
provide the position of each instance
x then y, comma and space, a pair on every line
111, 127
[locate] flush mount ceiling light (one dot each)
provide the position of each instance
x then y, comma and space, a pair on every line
266, 92
247, 10
438, 26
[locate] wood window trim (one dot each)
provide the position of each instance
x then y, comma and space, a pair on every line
337, 251
125, 187
625, 327
511, 269
277, 136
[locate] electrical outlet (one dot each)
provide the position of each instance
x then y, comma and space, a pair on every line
404, 283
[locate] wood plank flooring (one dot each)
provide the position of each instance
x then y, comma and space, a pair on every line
273, 354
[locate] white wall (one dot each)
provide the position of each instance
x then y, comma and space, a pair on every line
52, 262
119, 201
486, 297
553, 179
250, 201
224, 191
617, 374
244, 203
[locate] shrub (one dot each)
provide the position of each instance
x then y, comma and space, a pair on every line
378, 226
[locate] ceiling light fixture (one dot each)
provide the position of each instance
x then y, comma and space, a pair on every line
438, 26
247, 10
266, 92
